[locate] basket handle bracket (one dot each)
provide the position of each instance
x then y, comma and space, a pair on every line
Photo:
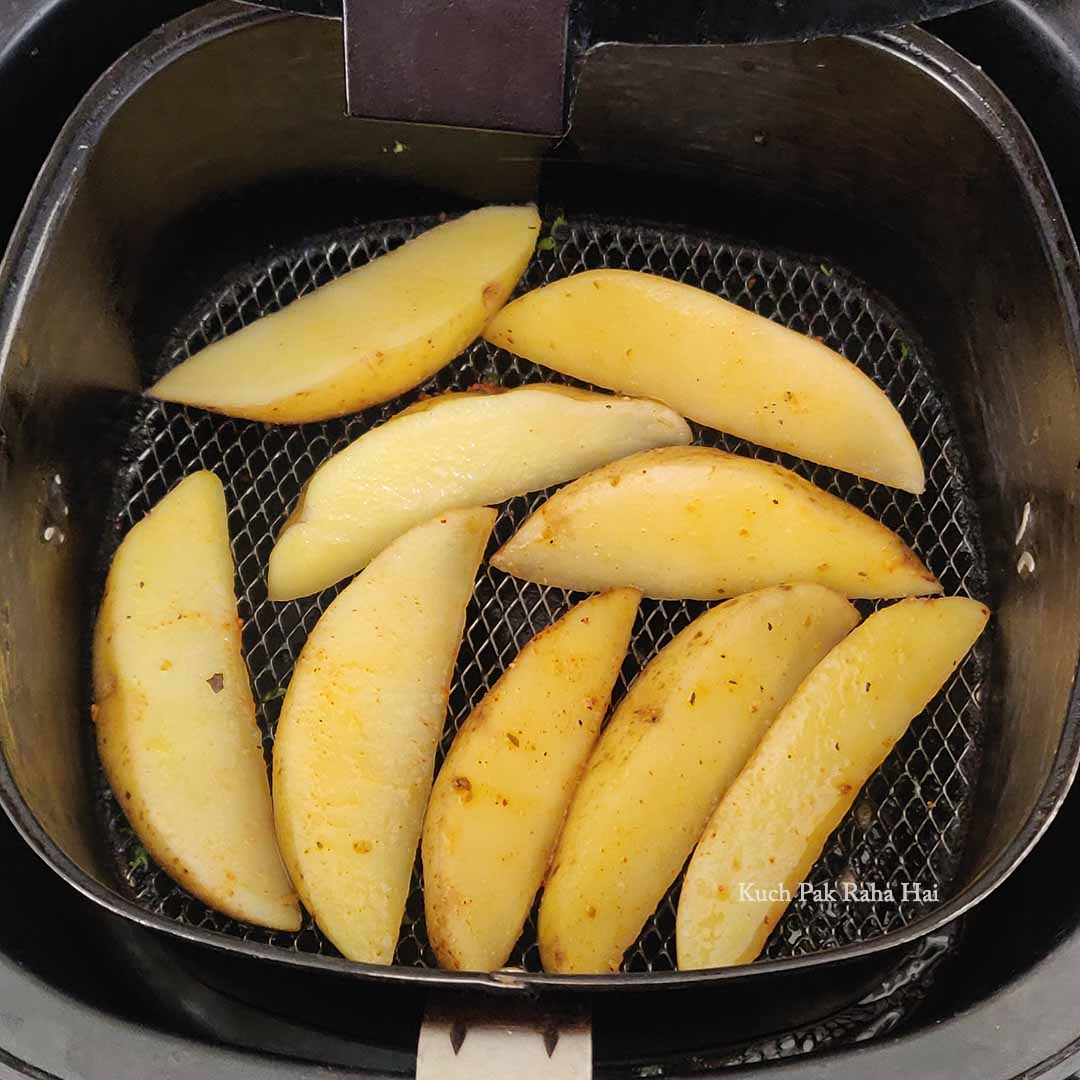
467, 63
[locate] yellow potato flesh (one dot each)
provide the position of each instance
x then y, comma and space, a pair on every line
454, 450
770, 828
370, 335
692, 522
355, 744
174, 715
715, 362
678, 738
502, 793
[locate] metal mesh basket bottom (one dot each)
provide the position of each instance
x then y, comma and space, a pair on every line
908, 825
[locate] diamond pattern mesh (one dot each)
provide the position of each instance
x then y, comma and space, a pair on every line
908, 824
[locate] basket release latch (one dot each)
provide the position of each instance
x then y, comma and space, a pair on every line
508, 1037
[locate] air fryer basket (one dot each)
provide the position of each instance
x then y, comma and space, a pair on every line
210, 178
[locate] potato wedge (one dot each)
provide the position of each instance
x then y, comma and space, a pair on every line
772, 824
371, 334
715, 362
355, 745
502, 793
468, 449
690, 522
174, 715
678, 738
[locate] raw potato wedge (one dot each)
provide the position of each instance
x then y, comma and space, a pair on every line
771, 826
715, 362
468, 449
678, 738
174, 715
502, 793
355, 745
690, 522
370, 335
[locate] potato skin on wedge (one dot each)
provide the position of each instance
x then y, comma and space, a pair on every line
716, 363
470, 449
371, 334
690, 522
173, 711
675, 742
839, 726
501, 795
355, 745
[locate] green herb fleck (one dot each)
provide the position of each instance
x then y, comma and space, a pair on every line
140, 859
825, 269
273, 695
905, 349
548, 242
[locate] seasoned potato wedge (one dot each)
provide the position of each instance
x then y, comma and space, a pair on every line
772, 824
502, 793
715, 362
467, 449
355, 745
692, 522
174, 715
371, 334
678, 738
